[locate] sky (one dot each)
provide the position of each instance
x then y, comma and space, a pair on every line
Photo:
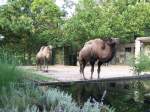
71, 10
2, 2
58, 2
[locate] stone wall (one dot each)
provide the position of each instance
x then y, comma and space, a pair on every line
142, 45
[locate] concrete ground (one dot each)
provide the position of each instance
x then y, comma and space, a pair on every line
71, 73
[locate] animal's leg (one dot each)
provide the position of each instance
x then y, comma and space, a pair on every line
83, 71
44, 65
98, 70
92, 68
37, 67
40, 66
47, 66
83, 66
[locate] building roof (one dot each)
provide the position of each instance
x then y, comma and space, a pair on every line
143, 39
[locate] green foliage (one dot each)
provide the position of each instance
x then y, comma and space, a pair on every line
123, 19
87, 107
142, 63
55, 99
122, 104
9, 74
12, 57
19, 99
32, 99
28, 24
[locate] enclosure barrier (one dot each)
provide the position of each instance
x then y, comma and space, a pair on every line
115, 79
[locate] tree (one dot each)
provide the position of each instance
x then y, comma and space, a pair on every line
28, 24
124, 19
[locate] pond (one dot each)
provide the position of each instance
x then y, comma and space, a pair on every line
124, 96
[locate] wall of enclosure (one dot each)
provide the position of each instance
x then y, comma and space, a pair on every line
68, 55
124, 54
146, 49
142, 46
64, 55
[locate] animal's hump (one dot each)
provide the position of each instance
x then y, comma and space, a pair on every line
97, 40
42, 48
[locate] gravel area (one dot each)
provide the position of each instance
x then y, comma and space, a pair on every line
71, 73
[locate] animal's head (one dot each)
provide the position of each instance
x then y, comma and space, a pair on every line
112, 41
50, 47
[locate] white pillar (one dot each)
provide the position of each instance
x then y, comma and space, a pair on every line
137, 48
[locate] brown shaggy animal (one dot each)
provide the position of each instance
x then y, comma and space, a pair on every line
97, 50
43, 57
47, 53
40, 58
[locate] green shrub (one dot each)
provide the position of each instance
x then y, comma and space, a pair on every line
142, 63
8, 70
7, 58
54, 98
15, 109
33, 99
89, 107
8, 74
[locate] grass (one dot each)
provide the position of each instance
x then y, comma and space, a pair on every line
37, 77
147, 70
9, 74
30, 73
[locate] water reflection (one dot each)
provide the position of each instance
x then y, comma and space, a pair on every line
125, 96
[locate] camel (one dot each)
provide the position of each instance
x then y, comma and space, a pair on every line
43, 57
97, 50
39, 58
47, 54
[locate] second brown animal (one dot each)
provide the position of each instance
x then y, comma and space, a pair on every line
97, 50
43, 57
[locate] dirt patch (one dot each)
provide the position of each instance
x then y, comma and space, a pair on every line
68, 73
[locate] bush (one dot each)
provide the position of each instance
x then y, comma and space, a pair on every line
19, 98
142, 63
8, 71
55, 99
9, 74
34, 99
7, 58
